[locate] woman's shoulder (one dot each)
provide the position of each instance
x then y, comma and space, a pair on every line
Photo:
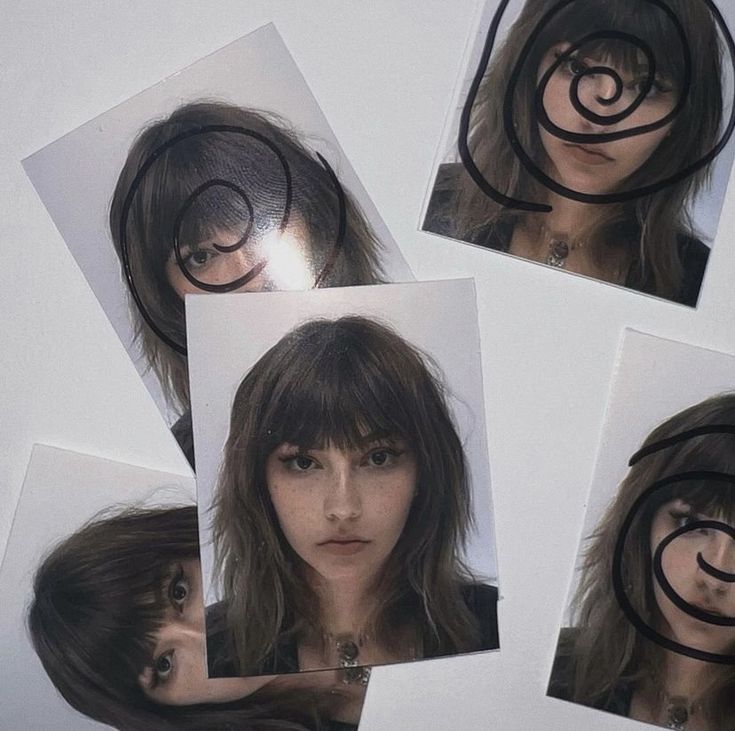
561, 682
184, 435
441, 212
482, 601
221, 652
693, 255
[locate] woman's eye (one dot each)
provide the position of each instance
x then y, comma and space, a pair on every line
380, 457
298, 463
683, 520
656, 89
303, 463
571, 65
198, 258
180, 590
164, 666
575, 66
383, 457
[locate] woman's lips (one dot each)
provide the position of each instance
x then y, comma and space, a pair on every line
587, 155
344, 546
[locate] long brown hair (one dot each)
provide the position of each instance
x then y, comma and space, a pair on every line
176, 172
99, 597
608, 648
334, 382
648, 226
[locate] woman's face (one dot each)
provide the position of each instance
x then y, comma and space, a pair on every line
282, 260
343, 512
178, 675
599, 168
683, 570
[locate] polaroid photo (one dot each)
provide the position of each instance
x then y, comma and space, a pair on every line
224, 177
343, 478
649, 627
593, 136
103, 608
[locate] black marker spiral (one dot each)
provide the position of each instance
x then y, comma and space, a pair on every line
242, 241
621, 592
543, 119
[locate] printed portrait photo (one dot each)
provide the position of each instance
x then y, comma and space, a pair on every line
343, 480
593, 136
104, 613
649, 629
224, 177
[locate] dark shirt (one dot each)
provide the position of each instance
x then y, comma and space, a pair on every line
481, 600
183, 433
441, 218
561, 684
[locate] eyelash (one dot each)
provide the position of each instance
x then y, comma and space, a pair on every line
685, 517
290, 459
658, 87
157, 677
187, 256
177, 579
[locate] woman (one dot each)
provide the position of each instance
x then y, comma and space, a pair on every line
573, 146
344, 498
219, 198
652, 636
117, 620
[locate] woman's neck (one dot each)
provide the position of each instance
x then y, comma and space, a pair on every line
345, 605
569, 217
684, 676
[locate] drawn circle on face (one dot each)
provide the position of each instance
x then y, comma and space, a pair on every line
242, 241
618, 581
543, 119
674, 597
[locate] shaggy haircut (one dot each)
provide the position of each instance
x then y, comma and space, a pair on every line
251, 165
608, 648
99, 598
341, 382
648, 227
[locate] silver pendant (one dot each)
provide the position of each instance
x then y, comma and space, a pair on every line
558, 253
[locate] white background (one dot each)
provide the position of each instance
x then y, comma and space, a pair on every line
383, 73
228, 334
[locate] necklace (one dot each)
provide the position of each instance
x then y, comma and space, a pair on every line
348, 652
679, 711
559, 247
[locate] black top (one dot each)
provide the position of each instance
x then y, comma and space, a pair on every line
441, 218
183, 433
561, 684
481, 600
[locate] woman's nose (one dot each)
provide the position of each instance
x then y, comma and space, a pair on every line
716, 561
599, 95
343, 500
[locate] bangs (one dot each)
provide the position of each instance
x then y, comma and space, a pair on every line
345, 383
643, 20
102, 595
712, 498
216, 184
337, 400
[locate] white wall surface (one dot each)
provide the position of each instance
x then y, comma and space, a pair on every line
384, 73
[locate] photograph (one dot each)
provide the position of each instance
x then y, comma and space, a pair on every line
343, 479
221, 178
649, 630
104, 613
593, 137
